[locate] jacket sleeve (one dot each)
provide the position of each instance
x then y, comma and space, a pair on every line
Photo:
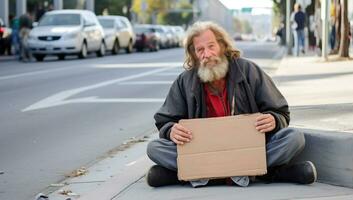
173, 109
268, 98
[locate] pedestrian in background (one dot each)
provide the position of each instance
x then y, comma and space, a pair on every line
298, 24
25, 27
15, 38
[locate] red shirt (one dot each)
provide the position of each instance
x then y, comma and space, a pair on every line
216, 104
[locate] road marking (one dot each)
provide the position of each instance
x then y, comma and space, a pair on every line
168, 74
32, 73
111, 100
123, 65
61, 98
147, 83
140, 65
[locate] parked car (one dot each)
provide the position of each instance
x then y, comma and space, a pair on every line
118, 33
63, 32
173, 36
180, 33
146, 38
164, 38
5, 39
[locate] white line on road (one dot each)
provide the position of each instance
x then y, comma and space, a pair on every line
115, 100
123, 65
61, 97
32, 73
140, 65
168, 74
147, 83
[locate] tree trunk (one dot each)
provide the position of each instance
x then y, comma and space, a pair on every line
337, 26
344, 43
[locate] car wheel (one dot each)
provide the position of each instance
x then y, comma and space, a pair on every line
129, 47
39, 57
116, 47
61, 56
101, 51
83, 52
139, 49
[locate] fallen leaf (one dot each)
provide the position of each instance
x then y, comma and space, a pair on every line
65, 192
78, 172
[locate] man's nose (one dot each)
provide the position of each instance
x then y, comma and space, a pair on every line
207, 53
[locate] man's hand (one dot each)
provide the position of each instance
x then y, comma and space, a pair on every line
265, 123
179, 134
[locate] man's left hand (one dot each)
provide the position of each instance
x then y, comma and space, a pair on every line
265, 123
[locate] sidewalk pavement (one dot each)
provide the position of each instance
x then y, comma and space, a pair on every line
321, 98
4, 58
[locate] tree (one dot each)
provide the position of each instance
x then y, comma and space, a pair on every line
238, 25
247, 27
344, 43
113, 7
162, 12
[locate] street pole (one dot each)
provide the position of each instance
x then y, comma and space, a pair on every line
90, 5
4, 11
58, 4
325, 21
21, 7
288, 28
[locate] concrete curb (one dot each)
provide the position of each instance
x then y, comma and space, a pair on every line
331, 152
112, 188
107, 178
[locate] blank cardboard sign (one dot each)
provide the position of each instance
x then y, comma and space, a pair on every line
222, 147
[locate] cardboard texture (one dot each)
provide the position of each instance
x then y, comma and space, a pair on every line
222, 147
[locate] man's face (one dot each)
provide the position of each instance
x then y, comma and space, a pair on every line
213, 66
207, 48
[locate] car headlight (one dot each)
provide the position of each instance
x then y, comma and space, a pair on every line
71, 35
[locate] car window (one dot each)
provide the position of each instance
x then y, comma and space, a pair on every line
123, 24
107, 23
118, 24
60, 20
140, 30
89, 20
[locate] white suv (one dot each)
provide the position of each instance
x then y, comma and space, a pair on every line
63, 32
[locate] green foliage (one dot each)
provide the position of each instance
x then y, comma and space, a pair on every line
247, 27
238, 25
113, 7
165, 12
242, 26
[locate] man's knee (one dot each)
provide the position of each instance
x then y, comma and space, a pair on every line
152, 149
295, 138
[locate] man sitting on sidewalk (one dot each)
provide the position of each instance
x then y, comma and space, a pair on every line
218, 82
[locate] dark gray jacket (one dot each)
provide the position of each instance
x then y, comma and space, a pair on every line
253, 91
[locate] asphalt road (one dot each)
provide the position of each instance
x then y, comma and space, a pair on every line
57, 116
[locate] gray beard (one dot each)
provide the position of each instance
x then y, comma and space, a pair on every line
209, 73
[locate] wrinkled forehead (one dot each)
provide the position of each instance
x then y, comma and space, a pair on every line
204, 38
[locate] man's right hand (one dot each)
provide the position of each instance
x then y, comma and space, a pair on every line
180, 135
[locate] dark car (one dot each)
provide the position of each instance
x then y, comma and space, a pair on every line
5, 39
146, 38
